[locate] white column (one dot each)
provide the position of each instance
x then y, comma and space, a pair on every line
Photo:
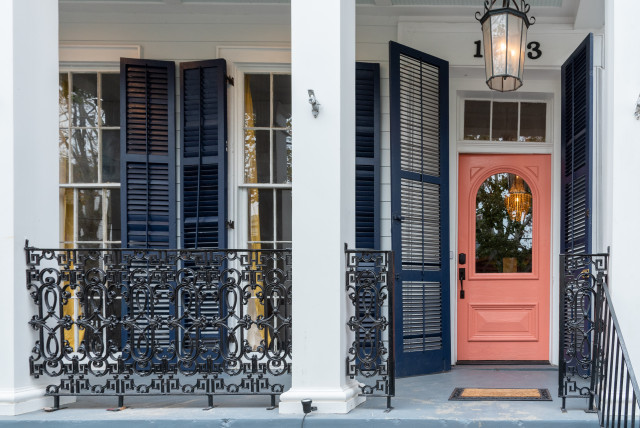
622, 70
29, 178
322, 59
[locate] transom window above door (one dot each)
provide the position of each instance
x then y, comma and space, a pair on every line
519, 121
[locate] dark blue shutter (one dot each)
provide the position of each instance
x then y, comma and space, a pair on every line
577, 137
147, 153
419, 109
204, 160
148, 180
367, 155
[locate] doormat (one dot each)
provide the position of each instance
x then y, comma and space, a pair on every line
498, 394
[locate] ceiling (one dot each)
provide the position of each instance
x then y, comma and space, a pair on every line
579, 13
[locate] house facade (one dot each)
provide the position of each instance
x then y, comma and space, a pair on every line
315, 125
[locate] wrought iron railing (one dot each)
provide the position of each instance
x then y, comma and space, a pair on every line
594, 362
370, 361
124, 322
581, 280
616, 391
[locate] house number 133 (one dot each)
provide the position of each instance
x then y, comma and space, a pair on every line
534, 51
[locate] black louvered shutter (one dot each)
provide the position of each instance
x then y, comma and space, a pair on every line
419, 125
148, 180
147, 153
367, 155
204, 136
577, 136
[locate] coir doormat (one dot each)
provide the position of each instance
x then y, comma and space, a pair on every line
508, 394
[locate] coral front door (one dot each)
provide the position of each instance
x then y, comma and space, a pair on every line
504, 219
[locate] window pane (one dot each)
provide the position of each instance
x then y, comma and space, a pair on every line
110, 99
505, 122
256, 157
283, 207
533, 122
63, 99
282, 156
63, 150
477, 116
260, 215
257, 103
66, 215
84, 100
504, 210
89, 215
110, 156
281, 100
113, 214
84, 155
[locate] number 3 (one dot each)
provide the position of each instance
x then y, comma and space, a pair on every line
535, 50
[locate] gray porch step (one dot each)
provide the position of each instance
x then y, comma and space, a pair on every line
421, 401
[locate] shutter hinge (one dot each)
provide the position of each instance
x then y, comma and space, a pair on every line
397, 277
587, 213
230, 80
229, 224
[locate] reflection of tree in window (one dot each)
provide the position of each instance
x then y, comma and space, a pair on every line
503, 244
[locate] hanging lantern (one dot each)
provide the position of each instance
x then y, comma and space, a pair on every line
518, 201
504, 32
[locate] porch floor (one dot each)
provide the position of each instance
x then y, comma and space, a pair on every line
420, 401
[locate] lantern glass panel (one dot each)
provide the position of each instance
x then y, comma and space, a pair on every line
513, 45
499, 43
486, 31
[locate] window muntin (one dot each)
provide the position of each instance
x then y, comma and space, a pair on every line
89, 159
504, 240
89, 166
267, 159
516, 121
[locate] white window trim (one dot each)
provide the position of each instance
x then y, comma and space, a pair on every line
242, 60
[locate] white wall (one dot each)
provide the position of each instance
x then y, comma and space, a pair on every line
622, 151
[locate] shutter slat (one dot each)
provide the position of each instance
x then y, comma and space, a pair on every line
577, 136
367, 155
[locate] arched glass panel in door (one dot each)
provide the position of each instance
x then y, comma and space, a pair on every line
504, 225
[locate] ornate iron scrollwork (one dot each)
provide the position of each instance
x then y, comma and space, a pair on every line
158, 322
369, 280
583, 276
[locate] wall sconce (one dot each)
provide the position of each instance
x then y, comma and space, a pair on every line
315, 105
637, 113
504, 32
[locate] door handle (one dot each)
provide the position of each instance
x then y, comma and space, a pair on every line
461, 277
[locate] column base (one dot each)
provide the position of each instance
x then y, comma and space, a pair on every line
326, 400
25, 400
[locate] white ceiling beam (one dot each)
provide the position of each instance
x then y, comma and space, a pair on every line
590, 15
